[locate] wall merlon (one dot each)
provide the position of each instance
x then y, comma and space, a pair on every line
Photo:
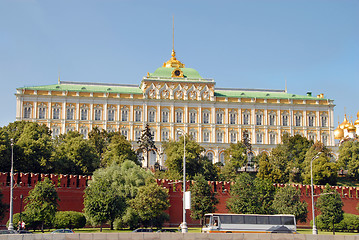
63, 180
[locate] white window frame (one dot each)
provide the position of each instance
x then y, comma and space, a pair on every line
165, 116
232, 117
272, 118
233, 137
84, 114
151, 115
42, 112
179, 116
259, 119
219, 117
246, 118
259, 138
206, 136
192, 117
138, 115
111, 114
56, 112
206, 117
124, 114
219, 137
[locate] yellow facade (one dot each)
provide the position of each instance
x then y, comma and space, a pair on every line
182, 100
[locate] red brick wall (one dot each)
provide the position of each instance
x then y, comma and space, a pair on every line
71, 190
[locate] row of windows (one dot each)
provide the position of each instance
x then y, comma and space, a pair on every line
206, 136
84, 112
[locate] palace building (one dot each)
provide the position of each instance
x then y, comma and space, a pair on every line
174, 99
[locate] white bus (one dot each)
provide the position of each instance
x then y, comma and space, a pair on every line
248, 223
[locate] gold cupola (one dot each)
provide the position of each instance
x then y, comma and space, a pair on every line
357, 121
351, 128
173, 62
342, 125
338, 132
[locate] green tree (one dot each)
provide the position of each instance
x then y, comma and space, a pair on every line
266, 170
118, 151
235, 158
203, 199
74, 155
174, 161
5, 150
287, 201
107, 196
150, 202
69, 219
102, 202
41, 204
349, 158
209, 170
32, 147
324, 170
100, 138
285, 160
330, 205
3, 206
147, 144
249, 195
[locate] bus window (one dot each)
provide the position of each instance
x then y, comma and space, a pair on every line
287, 221
215, 221
250, 219
206, 220
237, 219
225, 219
262, 220
275, 220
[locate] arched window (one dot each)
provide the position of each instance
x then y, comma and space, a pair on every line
42, 111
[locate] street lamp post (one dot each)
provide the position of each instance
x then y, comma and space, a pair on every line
11, 227
314, 231
184, 223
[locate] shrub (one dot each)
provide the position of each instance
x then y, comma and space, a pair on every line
130, 219
69, 219
29, 222
350, 223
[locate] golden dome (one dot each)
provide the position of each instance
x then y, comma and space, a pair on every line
173, 62
351, 128
338, 133
342, 125
357, 121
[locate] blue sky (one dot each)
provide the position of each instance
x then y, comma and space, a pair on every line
314, 45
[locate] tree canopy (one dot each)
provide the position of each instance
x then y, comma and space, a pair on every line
150, 202
174, 161
287, 201
330, 205
324, 170
250, 195
203, 199
42, 203
74, 155
109, 192
349, 158
118, 151
146, 144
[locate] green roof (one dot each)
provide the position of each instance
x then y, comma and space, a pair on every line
88, 87
167, 72
264, 94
